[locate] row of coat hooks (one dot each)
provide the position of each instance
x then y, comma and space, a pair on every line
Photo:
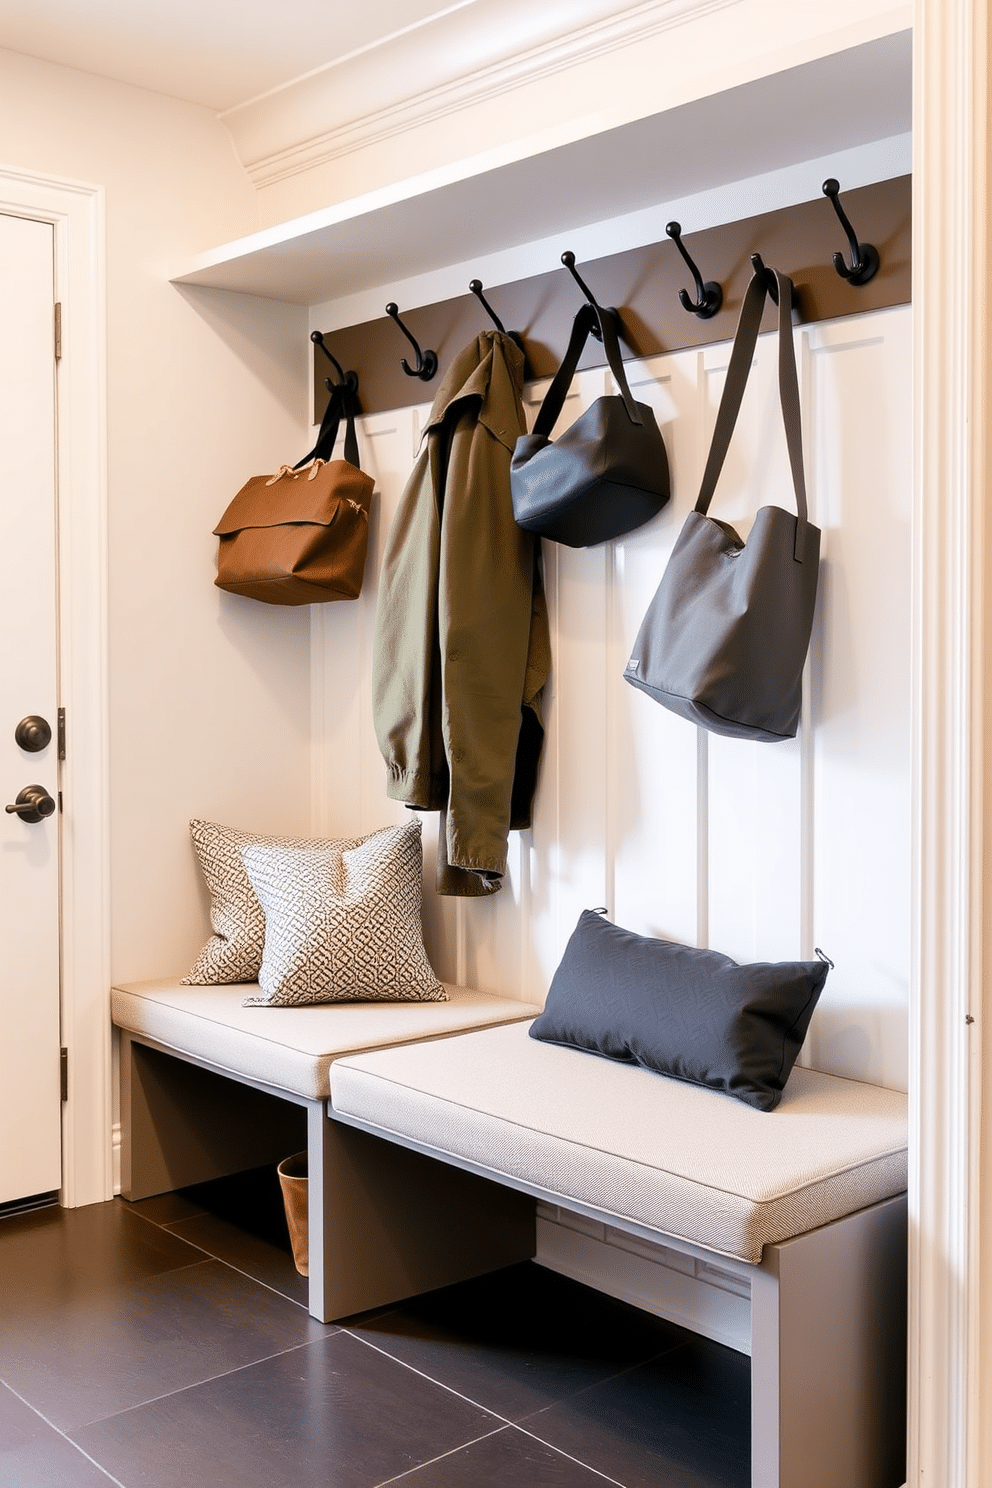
707, 302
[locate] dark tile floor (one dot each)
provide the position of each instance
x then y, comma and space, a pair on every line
167, 1344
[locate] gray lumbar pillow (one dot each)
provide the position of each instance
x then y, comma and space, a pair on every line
343, 921
694, 1015
234, 951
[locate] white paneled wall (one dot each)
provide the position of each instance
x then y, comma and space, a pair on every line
758, 850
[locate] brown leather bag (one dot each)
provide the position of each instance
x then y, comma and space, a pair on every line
301, 536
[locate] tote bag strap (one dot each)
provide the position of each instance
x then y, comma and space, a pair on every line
554, 398
341, 404
733, 392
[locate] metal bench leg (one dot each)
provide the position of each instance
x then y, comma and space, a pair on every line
387, 1223
182, 1124
828, 1355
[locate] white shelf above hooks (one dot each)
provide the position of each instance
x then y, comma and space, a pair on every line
505, 197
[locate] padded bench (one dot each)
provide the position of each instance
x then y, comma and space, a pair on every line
210, 1087
433, 1129
807, 1203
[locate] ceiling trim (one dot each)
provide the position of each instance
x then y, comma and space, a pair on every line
469, 56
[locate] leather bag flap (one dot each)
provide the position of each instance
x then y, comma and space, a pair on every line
294, 497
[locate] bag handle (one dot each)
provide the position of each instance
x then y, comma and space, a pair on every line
741, 358
342, 403
554, 398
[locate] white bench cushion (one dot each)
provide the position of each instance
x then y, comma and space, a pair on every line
292, 1047
675, 1158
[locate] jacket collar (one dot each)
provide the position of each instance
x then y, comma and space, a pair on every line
490, 371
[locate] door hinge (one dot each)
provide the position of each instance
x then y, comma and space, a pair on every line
64, 1073
58, 331
61, 733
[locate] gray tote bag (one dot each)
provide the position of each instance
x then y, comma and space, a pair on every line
725, 638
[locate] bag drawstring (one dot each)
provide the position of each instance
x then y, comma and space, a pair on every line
292, 472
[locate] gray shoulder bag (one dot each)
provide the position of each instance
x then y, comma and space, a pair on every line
725, 638
607, 473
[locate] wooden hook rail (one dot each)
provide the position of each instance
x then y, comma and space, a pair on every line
644, 284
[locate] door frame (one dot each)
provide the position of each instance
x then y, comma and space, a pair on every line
76, 211
950, 1274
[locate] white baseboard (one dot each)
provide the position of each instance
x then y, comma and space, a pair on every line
697, 1295
115, 1141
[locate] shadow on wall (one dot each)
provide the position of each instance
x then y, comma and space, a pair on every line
269, 337
860, 1042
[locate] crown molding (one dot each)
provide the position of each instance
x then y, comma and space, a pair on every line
467, 56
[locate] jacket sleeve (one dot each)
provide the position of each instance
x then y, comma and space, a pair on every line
406, 689
488, 614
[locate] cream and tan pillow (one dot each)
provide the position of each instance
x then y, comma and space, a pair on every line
342, 920
234, 951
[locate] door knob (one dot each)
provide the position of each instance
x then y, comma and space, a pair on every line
33, 733
33, 804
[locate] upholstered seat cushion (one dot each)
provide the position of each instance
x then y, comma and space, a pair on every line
675, 1158
292, 1047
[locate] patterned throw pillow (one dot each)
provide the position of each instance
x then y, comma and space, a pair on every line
343, 922
234, 951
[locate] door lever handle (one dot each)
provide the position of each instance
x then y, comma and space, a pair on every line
33, 804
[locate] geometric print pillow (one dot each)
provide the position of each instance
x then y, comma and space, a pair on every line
234, 951
343, 921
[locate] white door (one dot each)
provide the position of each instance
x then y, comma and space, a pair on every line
30, 1103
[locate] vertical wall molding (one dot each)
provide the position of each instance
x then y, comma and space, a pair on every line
951, 1226
750, 848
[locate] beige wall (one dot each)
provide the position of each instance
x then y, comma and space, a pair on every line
209, 694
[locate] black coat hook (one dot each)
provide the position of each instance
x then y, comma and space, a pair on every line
347, 380
568, 259
475, 285
771, 283
317, 337
709, 296
350, 383
864, 256
760, 267
426, 360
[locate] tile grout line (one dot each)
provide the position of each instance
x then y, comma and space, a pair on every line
263, 1284
429, 1378
607, 1379
631, 1368
454, 1451
376, 1348
64, 1435
568, 1456
221, 1261
197, 1384
500, 1431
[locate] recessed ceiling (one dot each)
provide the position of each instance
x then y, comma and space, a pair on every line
212, 52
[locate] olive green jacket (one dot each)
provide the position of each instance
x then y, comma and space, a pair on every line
461, 640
